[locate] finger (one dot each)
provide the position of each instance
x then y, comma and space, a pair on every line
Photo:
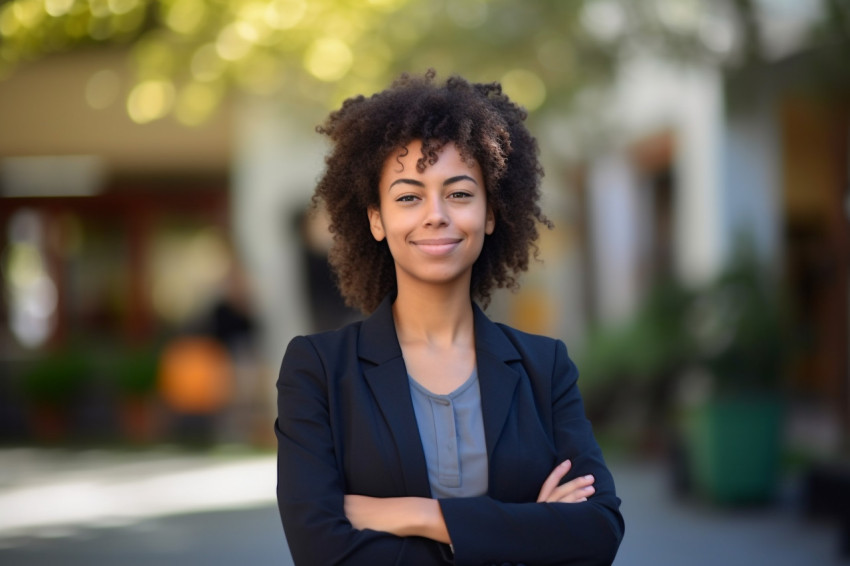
567, 491
554, 478
573, 491
573, 496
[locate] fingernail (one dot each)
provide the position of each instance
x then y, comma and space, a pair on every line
565, 463
588, 477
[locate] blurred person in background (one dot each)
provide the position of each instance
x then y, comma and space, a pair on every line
427, 434
231, 322
209, 377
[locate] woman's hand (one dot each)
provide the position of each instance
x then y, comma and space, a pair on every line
400, 516
574, 491
418, 516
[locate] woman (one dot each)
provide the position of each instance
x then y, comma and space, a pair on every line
427, 434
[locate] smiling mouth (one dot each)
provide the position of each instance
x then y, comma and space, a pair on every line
437, 246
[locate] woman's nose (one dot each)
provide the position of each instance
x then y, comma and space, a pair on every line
436, 213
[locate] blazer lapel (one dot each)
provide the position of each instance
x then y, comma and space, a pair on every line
498, 380
387, 378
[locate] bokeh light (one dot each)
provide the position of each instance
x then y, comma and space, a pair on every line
101, 8
28, 12
196, 102
679, 15
31, 292
328, 59
58, 8
8, 21
102, 89
195, 375
120, 7
604, 19
234, 41
525, 88
186, 16
285, 14
151, 100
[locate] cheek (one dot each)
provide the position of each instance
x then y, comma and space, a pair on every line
480, 221
394, 233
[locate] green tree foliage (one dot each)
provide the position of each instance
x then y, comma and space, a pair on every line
187, 54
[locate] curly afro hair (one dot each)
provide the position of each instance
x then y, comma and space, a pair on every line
482, 123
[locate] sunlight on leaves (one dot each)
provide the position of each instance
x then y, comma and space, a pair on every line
150, 100
525, 88
328, 59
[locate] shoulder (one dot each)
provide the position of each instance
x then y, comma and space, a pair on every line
542, 356
528, 342
324, 344
336, 336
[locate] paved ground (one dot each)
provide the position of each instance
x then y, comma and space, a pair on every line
169, 507
663, 531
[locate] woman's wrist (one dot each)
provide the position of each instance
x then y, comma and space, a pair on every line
401, 516
432, 524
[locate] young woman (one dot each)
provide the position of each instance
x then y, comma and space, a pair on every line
427, 434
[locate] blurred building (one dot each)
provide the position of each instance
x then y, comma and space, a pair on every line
107, 210
701, 159
114, 235
116, 232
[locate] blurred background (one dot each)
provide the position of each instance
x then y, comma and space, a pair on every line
157, 253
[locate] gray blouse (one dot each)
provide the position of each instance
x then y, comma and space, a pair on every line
452, 431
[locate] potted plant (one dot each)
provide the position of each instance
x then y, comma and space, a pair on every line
733, 432
51, 386
630, 370
136, 379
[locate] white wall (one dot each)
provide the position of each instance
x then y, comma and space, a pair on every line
614, 209
278, 157
752, 181
699, 223
651, 96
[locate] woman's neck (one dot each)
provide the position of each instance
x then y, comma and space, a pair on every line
434, 315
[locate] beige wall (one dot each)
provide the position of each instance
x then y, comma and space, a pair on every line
43, 111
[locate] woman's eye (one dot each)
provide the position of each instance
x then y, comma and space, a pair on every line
406, 198
460, 194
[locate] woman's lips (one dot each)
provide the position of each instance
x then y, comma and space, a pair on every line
437, 246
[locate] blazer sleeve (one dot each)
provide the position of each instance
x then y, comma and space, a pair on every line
311, 487
484, 530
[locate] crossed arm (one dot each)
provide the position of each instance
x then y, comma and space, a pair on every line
324, 524
419, 516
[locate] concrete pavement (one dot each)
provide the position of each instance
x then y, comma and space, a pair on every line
165, 506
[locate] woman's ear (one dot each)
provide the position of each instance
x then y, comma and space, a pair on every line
490, 222
375, 223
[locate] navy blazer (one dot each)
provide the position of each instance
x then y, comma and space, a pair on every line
346, 426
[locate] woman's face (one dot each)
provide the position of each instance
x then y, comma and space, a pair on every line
434, 221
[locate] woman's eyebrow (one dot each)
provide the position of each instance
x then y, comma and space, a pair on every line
408, 182
457, 179
446, 183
